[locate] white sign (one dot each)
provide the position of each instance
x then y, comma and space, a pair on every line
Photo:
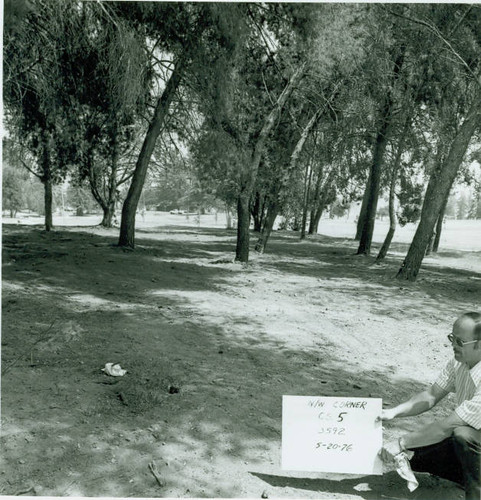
326, 434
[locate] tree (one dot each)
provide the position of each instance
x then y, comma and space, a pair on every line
280, 185
190, 35
249, 177
324, 89
411, 192
380, 144
260, 81
476, 201
460, 39
439, 226
392, 190
34, 89
127, 226
324, 195
13, 194
437, 191
111, 102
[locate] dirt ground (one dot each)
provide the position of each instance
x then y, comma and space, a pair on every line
210, 347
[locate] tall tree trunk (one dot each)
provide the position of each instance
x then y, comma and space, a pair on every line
271, 214
93, 179
109, 207
439, 185
315, 203
47, 183
377, 163
311, 222
243, 227
127, 224
243, 236
392, 192
46, 179
306, 201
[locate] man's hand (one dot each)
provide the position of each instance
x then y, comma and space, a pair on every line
390, 450
388, 414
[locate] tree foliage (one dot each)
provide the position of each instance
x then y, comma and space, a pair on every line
274, 109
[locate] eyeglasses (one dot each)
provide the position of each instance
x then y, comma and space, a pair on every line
458, 341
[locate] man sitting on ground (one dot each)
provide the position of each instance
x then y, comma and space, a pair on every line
449, 448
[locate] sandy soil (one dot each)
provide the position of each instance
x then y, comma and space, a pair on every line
210, 347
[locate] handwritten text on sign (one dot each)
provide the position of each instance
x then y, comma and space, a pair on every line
327, 434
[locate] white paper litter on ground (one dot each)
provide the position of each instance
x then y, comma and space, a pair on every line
403, 468
114, 370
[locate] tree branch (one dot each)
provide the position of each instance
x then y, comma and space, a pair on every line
438, 34
36, 174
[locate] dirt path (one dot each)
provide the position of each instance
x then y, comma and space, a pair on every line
210, 348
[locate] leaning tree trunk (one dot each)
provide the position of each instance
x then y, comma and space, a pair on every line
293, 163
271, 214
439, 225
374, 183
438, 188
439, 159
314, 224
315, 203
276, 197
433, 244
306, 201
243, 212
127, 224
392, 192
392, 220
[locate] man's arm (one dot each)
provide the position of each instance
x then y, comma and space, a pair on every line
429, 434
432, 433
418, 404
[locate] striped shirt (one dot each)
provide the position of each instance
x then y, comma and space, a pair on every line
466, 384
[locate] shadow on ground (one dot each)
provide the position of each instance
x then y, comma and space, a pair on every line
205, 381
370, 487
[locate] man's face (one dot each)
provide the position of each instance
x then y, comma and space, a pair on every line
463, 329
